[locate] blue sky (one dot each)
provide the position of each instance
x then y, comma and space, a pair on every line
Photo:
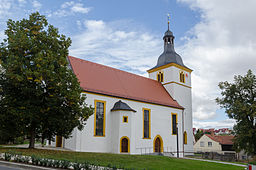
215, 38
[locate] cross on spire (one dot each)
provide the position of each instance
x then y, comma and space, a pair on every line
168, 19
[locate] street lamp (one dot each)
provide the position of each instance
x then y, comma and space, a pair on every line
177, 140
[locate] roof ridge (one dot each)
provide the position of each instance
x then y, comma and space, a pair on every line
112, 68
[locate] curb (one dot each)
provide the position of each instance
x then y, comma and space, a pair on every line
25, 166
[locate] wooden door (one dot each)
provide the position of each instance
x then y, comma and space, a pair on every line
124, 145
157, 145
58, 141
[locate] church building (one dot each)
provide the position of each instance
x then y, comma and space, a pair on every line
135, 114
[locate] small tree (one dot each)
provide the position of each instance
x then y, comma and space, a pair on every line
38, 89
239, 100
199, 134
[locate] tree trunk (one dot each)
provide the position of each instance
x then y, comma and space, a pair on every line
32, 139
50, 141
42, 142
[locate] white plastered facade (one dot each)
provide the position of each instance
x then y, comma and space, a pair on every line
181, 92
160, 121
115, 128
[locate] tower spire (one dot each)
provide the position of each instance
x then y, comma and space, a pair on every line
168, 19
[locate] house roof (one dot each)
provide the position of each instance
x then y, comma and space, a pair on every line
106, 80
121, 106
224, 140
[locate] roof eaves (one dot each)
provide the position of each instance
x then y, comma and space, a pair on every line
131, 98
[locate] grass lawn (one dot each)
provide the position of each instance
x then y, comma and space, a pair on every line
125, 161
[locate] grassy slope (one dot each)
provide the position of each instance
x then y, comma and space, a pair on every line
126, 161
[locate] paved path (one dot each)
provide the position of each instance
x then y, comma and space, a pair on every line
229, 163
38, 146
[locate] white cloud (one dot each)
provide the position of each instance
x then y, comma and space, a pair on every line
70, 8
228, 123
78, 7
106, 43
37, 5
22, 1
222, 45
5, 6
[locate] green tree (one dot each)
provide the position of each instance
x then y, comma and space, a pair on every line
239, 101
199, 134
39, 93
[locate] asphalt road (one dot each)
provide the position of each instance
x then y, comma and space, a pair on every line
14, 166
3, 167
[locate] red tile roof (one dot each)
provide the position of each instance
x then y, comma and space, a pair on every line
224, 140
106, 80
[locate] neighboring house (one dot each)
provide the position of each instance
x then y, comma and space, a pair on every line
214, 143
135, 114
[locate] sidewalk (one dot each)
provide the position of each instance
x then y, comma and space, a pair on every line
228, 163
39, 146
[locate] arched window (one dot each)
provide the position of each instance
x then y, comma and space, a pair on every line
185, 138
160, 76
124, 145
182, 77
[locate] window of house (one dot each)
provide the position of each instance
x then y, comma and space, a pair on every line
160, 76
125, 119
201, 144
146, 123
209, 144
99, 118
182, 77
174, 124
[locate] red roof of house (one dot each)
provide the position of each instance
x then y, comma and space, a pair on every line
106, 80
224, 140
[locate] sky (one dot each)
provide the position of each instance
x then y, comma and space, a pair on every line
216, 39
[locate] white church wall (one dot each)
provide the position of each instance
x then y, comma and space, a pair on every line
115, 131
125, 128
182, 93
70, 143
160, 125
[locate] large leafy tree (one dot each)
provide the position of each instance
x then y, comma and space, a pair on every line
239, 100
40, 94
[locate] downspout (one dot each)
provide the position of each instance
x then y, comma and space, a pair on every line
183, 130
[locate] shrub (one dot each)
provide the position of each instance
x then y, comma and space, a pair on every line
7, 156
65, 164
253, 162
43, 162
26, 159
57, 163
19, 140
50, 163
77, 166
85, 165
35, 160
18, 158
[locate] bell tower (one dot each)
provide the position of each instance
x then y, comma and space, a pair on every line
176, 78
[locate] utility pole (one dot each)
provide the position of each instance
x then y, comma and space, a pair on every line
177, 140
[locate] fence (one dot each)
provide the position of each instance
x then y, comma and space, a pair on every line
150, 150
172, 152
